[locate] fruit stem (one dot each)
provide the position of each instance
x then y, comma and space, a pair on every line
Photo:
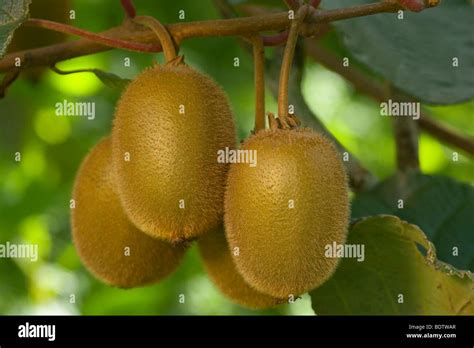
259, 71
163, 35
288, 60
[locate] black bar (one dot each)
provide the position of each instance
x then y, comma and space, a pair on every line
289, 330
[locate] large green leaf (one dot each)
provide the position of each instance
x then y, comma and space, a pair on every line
399, 261
442, 207
416, 53
12, 14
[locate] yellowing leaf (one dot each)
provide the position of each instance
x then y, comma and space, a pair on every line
400, 275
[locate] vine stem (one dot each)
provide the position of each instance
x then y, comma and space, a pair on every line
108, 41
68, 72
259, 71
288, 60
128, 8
447, 135
417, 5
163, 35
294, 4
406, 141
49, 55
275, 40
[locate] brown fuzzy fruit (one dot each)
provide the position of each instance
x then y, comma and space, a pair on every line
102, 233
170, 123
282, 213
218, 262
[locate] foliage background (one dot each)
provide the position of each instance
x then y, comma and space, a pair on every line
35, 193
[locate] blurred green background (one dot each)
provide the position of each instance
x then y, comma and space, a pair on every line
35, 193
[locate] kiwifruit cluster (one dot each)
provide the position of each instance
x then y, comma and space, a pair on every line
145, 192
155, 185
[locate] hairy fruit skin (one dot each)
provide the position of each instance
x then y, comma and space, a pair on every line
282, 249
101, 230
217, 259
172, 120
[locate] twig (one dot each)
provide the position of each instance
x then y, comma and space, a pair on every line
294, 4
309, 31
368, 86
49, 55
447, 135
228, 11
417, 5
406, 140
128, 8
259, 72
412, 5
100, 38
275, 40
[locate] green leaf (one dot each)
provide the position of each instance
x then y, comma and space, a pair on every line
399, 260
442, 207
416, 53
12, 14
111, 80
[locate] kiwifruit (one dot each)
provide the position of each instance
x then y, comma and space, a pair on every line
282, 213
170, 123
31, 37
109, 245
218, 262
